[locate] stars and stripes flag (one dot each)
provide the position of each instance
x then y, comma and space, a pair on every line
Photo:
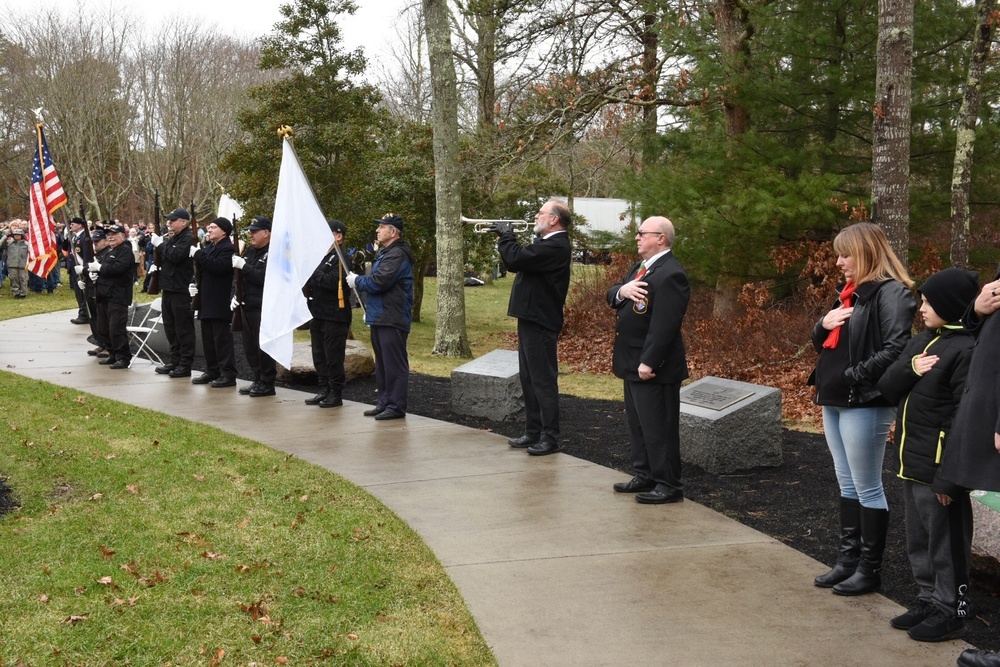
47, 196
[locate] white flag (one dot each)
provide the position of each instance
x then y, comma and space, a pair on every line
300, 239
229, 208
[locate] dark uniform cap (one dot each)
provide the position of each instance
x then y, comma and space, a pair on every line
180, 213
77, 220
337, 226
97, 235
224, 224
259, 223
391, 219
950, 292
114, 229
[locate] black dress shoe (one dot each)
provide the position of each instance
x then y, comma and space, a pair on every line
165, 368
523, 442
635, 485
218, 383
334, 400
80, 320
245, 390
389, 414
120, 364
92, 339
106, 361
262, 390
180, 372
977, 657
543, 448
373, 412
319, 397
97, 351
658, 497
205, 378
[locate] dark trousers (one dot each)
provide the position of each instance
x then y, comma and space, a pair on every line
98, 327
329, 343
392, 367
81, 298
261, 363
217, 341
115, 319
653, 415
178, 325
538, 367
939, 544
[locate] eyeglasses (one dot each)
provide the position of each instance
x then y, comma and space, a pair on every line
644, 233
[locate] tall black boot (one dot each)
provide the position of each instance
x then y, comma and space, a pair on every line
324, 391
850, 545
868, 577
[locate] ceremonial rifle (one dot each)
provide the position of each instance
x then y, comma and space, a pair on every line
237, 280
154, 280
196, 301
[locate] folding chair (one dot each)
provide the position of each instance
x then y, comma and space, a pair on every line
141, 332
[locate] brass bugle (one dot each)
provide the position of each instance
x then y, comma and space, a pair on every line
482, 226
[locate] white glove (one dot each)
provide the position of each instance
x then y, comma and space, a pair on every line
93, 276
153, 268
238, 262
194, 249
193, 290
82, 285
156, 240
351, 278
79, 269
94, 267
234, 304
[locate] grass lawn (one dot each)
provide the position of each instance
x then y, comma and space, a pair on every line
144, 539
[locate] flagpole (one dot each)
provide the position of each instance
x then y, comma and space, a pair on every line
286, 133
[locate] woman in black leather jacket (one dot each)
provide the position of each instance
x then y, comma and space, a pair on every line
857, 341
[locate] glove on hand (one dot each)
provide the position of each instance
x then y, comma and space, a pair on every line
193, 290
94, 267
238, 262
194, 249
156, 240
153, 268
234, 304
351, 279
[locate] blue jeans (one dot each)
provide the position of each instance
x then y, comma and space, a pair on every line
856, 438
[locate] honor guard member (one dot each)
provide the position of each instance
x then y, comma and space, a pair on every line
98, 327
253, 267
176, 273
330, 305
216, 262
114, 275
77, 264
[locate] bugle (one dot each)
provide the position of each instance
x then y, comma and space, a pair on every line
481, 226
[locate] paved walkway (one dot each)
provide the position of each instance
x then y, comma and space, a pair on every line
555, 567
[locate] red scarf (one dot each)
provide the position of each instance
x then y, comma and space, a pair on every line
846, 296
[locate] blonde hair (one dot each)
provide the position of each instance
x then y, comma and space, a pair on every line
875, 260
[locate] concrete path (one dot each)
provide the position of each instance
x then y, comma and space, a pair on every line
556, 568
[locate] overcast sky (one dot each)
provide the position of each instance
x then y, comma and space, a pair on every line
367, 28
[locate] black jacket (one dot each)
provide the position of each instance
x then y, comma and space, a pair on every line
117, 275
176, 265
542, 282
253, 273
329, 293
927, 404
880, 326
651, 334
216, 262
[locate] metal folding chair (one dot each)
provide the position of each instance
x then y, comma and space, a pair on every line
141, 332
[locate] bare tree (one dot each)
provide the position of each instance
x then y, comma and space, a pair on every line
450, 336
965, 140
406, 85
891, 123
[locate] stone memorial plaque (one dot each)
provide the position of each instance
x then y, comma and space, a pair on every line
489, 386
713, 396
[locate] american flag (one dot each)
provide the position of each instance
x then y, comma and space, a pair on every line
47, 196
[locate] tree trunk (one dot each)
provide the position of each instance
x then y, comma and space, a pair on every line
650, 85
450, 336
965, 140
891, 123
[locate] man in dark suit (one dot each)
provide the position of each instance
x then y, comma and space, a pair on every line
215, 312
536, 300
113, 274
649, 356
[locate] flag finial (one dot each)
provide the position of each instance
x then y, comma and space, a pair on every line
286, 131
38, 114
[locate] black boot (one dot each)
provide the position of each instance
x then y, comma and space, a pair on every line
868, 577
850, 545
332, 400
324, 390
